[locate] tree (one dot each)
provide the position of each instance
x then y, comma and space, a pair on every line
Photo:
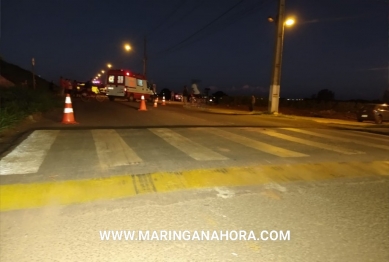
326, 95
165, 92
219, 94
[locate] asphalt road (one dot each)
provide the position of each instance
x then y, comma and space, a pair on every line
172, 168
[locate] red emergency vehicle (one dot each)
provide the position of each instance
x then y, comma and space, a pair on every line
123, 83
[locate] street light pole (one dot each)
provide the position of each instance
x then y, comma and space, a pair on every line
274, 93
145, 59
33, 72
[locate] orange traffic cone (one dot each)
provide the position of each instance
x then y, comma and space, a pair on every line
163, 101
142, 104
68, 116
156, 102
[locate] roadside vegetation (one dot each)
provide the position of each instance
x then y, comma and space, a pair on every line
18, 102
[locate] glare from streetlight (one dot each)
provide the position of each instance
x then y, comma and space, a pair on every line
102, 71
109, 65
99, 75
127, 47
289, 22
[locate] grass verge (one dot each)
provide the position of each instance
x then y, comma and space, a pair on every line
16, 103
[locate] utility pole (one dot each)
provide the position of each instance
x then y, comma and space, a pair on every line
33, 74
274, 93
145, 59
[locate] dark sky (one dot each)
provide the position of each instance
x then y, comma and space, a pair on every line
341, 45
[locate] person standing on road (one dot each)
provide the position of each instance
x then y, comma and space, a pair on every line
74, 90
185, 95
62, 84
70, 86
252, 103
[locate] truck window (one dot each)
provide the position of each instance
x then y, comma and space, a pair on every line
111, 79
139, 82
120, 79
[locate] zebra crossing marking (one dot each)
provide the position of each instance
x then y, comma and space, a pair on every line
187, 146
378, 137
337, 138
270, 149
112, 150
307, 142
28, 156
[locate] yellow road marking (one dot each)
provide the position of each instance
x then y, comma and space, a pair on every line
334, 137
187, 146
307, 142
28, 156
112, 150
22, 196
270, 149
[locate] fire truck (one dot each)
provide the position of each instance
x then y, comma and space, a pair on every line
123, 83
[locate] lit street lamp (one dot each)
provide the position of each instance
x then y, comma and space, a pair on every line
274, 93
127, 47
109, 65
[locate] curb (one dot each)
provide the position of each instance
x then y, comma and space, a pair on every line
221, 112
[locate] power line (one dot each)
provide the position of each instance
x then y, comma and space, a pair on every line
186, 14
201, 29
245, 13
182, 2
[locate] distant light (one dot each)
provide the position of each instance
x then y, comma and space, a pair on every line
127, 73
102, 71
109, 65
270, 19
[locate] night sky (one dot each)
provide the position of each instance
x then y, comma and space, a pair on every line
341, 45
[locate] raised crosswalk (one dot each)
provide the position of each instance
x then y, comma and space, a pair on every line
112, 149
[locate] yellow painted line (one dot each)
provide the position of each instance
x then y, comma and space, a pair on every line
187, 146
270, 149
338, 138
307, 142
28, 156
23, 196
143, 184
112, 150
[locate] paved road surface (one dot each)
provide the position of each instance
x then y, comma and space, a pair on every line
174, 169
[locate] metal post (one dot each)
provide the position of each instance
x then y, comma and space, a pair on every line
274, 92
145, 60
33, 74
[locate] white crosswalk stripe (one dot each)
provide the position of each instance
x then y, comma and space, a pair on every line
337, 138
28, 156
377, 137
270, 149
112, 150
187, 146
307, 142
